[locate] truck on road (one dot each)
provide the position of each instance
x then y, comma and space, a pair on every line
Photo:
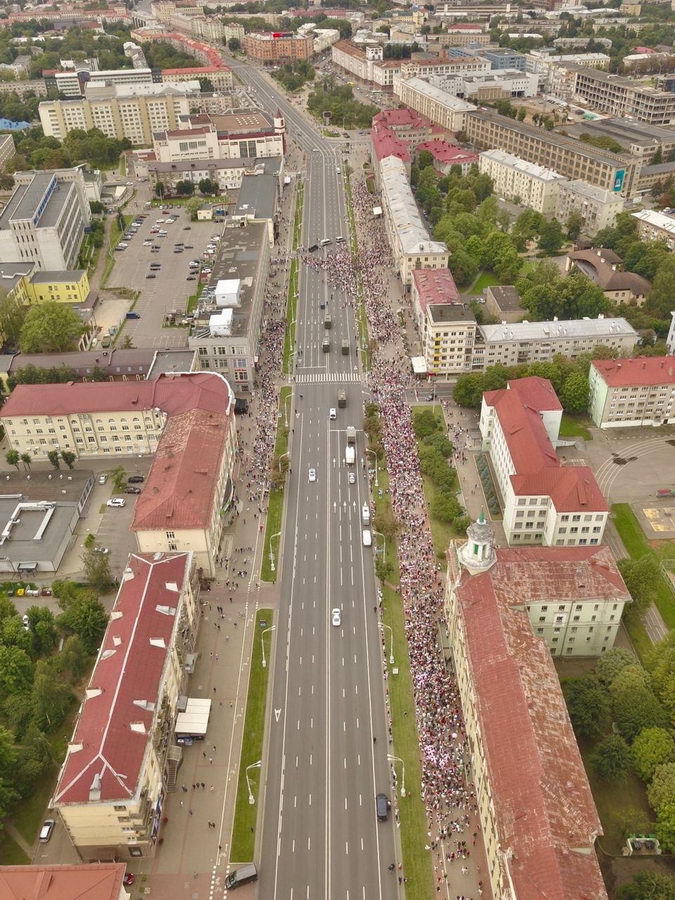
351, 434
350, 454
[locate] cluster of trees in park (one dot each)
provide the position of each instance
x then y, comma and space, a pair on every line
186, 188
161, 55
35, 150
294, 75
568, 377
434, 450
42, 665
80, 44
339, 101
49, 327
19, 109
625, 712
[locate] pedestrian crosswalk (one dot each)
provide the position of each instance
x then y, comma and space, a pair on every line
326, 377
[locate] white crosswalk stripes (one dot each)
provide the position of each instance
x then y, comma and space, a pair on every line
325, 377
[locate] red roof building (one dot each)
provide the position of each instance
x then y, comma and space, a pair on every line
628, 392
544, 502
538, 818
446, 325
95, 881
110, 789
447, 155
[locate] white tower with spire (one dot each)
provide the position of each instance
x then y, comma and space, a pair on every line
478, 554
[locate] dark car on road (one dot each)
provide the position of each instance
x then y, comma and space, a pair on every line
382, 805
135, 479
132, 490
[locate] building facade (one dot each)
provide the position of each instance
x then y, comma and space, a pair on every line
597, 206
7, 150
219, 76
520, 181
44, 220
113, 782
121, 111
625, 97
241, 134
276, 46
574, 159
408, 238
605, 268
441, 107
58, 287
656, 226
446, 326
628, 393
544, 502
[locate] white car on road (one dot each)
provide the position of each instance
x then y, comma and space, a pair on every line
312, 475
116, 501
336, 617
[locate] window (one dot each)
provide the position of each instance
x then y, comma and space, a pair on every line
170, 535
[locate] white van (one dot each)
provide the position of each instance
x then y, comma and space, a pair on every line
365, 514
367, 537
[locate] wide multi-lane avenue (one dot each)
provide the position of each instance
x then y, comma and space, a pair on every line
327, 751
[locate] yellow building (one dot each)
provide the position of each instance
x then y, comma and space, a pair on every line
123, 756
62, 287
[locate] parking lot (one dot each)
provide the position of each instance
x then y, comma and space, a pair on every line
170, 288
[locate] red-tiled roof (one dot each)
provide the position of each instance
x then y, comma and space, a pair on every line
92, 881
447, 153
435, 286
538, 469
179, 490
545, 817
401, 117
200, 70
106, 752
385, 143
464, 26
643, 371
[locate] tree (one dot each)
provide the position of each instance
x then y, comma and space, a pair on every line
233, 45
12, 315
643, 578
50, 327
53, 457
69, 458
85, 617
520, 115
612, 759
575, 393
96, 206
8, 760
51, 697
633, 703
160, 190
665, 826
185, 188
609, 665
551, 236
662, 788
127, 342
16, 671
587, 705
12, 457
425, 423
192, 207
97, 569
660, 298
206, 186
26, 460
648, 885
652, 748
574, 225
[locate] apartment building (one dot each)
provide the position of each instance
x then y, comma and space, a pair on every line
441, 107
544, 502
574, 159
598, 207
625, 97
241, 134
446, 326
44, 220
133, 112
123, 755
519, 343
226, 332
656, 226
58, 287
632, 392
520, 181
276, 46
33, 86
408, 237
219, 76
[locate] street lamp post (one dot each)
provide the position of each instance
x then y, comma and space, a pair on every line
384, 549
272, 563
255, 765
395, 759
262, 644
391, 642
377, 471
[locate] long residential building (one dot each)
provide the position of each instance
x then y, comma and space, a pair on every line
624, 97
574, 159
538, 819
43, 221
625, 393
441, 107
544, 502
411, 246
241, 134
185, 421
598, 206
656, 226
276, 46
134, 112
123, 755
530, 184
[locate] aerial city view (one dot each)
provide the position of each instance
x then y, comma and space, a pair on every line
337, 423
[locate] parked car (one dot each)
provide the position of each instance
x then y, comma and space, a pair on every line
132, 490
116, 501
102, 478
132, 314
135, 479
46, 830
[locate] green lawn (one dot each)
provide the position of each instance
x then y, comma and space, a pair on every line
10, 853
245, 813
361, 317
276, 505
193, 299
485, 279
637, 545
291, 311
572, 426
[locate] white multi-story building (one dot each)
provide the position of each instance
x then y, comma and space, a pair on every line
625, 393
656, 226
132, 111
439, 106
544, 502
598, 206
44, 219
446, 326
524, 182
411, 246
241, 134
486, 86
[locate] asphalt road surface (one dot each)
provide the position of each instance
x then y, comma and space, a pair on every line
321, 836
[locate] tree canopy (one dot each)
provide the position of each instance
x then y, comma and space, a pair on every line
50, 327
